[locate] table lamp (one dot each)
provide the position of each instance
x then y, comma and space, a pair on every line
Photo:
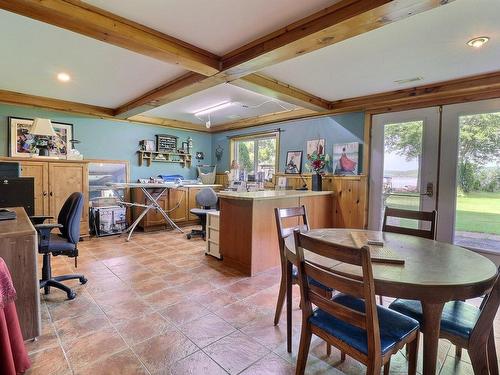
43, 128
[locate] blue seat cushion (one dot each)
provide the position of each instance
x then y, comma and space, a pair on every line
295, 274
394, 326
458, 318
58, 243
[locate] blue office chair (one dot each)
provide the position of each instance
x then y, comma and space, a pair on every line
65, 243
207, 199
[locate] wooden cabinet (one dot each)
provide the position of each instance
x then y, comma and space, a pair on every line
350, 205
54, 182
179, 201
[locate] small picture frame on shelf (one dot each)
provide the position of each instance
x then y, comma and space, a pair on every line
166, 143
147, 145
293, 162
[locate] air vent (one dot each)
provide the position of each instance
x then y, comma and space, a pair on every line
408, 80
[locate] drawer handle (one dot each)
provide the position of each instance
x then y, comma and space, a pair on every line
44, 193
51, 194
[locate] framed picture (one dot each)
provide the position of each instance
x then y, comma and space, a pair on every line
345, 158
293, 162
315, 145
23, 144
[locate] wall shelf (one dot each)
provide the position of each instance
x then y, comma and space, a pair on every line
146, 157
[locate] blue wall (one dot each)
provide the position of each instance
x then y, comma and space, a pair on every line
334, 129
108, 139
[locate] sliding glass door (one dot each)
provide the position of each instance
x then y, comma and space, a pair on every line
423, 161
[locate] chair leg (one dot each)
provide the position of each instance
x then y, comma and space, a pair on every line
492, 354
58, 285
305, 343
281, 301
458, 351
413, 355
328, 350
82, 278
381, 300
479, 358
387, 367
342, 356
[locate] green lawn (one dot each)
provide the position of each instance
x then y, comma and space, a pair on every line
476, 212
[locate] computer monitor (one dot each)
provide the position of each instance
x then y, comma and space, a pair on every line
18, 192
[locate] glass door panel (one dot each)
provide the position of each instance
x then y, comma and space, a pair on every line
404, 164
472, 150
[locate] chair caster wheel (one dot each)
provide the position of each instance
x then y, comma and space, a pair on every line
83, 280
71, 295
188, 236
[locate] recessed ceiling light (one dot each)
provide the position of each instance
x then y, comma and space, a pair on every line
478, 42
63, 77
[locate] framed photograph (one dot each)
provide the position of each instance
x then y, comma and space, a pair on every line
345, 158
293, 162
23, 144
315, 145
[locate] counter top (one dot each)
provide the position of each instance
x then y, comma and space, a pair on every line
21, 225
271, 194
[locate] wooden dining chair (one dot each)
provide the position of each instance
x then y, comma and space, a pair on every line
420, 216
352, 322
298, 217
465, 326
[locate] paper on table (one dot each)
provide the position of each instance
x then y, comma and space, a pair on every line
378, 254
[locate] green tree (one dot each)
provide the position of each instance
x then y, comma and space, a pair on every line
479, 144
245, 160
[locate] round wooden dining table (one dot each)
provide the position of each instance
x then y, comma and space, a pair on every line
433, 273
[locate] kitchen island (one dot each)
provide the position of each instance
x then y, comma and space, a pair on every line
248, 234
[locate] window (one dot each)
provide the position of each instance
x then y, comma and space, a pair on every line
257, 154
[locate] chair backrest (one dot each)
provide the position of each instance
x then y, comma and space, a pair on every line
359, 287
70, 217
206, 198
294, 214
489, 309
413, 215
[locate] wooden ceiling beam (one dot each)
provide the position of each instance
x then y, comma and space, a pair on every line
169, 123
10, 97
343, 20
278, 90
479, 87
96, 23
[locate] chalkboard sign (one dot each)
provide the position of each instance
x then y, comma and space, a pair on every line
166, 143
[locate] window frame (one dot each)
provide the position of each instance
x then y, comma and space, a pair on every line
253, 137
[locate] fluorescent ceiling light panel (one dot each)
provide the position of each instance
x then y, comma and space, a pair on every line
213, 108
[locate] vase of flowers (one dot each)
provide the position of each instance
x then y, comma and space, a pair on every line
317, 162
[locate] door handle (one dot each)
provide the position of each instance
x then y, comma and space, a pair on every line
429, 191
51, 194
44, 193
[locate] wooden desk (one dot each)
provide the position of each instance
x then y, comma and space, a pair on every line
18, 247
248, 235
434, 273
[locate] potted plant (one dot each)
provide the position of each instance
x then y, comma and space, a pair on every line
317, 162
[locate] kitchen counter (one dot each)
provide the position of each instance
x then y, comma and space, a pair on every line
271, 194
248, 237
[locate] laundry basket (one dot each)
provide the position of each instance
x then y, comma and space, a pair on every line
206, 173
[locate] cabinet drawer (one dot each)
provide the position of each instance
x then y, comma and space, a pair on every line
213, 235
213, 249
213, 221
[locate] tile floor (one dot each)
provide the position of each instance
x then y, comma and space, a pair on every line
158, 305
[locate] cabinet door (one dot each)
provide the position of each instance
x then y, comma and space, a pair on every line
64, 179
350, 202
40, 172
177, 203
192, 202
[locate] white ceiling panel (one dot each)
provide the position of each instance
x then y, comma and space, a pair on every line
33, 53
431, 45
245, 104
218, 26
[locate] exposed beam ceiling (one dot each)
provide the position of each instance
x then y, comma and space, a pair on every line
479, 87
343, 20
270, 87
98, 24
169, 123
10, 97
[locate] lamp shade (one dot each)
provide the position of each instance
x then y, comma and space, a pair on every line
42, 126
